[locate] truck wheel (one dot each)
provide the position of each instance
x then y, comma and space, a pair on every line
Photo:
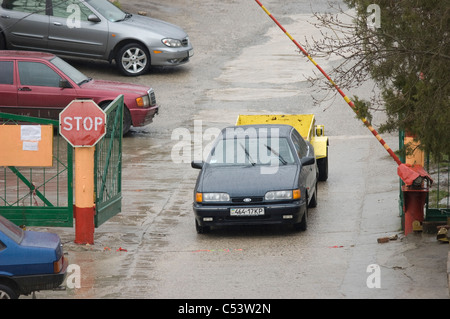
133, 59
7, 292
322, 164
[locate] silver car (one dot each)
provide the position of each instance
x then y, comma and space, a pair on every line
92, 29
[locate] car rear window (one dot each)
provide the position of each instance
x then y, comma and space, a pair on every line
6, 72
11, 230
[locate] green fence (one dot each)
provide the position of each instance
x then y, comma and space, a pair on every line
438, 200
38, 196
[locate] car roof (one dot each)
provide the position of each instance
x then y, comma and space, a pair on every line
26, 54
255, 130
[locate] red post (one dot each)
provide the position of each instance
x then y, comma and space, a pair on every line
414, 203
84, 195
83, 123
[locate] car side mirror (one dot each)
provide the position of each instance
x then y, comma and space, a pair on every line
307, 161
93, 18
64, 84
197, 164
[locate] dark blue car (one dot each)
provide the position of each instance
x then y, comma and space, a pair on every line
256, 174
29, 261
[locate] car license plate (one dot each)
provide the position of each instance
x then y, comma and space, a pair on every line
191, 53
251, 211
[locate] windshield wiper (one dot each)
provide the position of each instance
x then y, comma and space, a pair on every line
126, 16
282, 160
86, 80
248, 155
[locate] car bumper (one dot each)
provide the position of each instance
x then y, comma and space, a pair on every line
171, 56
30, 283
286, 213
143, 116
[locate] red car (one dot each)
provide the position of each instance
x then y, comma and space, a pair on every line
41, 85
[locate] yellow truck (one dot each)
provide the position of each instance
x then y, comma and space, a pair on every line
305, 125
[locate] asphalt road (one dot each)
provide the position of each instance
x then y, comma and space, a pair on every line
243, 64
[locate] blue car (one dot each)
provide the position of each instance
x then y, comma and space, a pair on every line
29, 261
256, 174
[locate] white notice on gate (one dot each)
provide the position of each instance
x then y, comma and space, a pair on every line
30, 135
30, 146
30, 132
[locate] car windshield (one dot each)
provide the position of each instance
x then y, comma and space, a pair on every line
11, 230
75, 75
251, 151
108, 10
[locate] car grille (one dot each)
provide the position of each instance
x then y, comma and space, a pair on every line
152, 96
244, 201
185, 41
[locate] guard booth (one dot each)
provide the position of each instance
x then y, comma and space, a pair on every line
437, 199
36, 170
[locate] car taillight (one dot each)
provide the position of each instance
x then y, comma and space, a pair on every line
58, 265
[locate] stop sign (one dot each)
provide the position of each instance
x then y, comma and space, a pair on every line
82, 123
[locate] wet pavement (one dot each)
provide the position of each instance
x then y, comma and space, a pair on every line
246, 65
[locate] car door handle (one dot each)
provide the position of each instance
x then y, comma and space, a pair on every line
58, 24
24, 89
4, 16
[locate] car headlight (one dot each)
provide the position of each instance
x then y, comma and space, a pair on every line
280, 195
212, 197
143, 101
173, 43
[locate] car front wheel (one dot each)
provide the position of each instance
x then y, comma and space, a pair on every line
201, 229
2, 41
133, 59
303, 225
313, 201
7, 293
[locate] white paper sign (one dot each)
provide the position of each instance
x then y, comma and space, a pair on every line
30, 132
30, 146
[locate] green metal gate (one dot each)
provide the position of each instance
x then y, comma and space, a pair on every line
38, 196
108, 165
43, 196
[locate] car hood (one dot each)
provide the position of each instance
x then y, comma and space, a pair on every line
156, 26
41, 239
249, 180
119, 87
